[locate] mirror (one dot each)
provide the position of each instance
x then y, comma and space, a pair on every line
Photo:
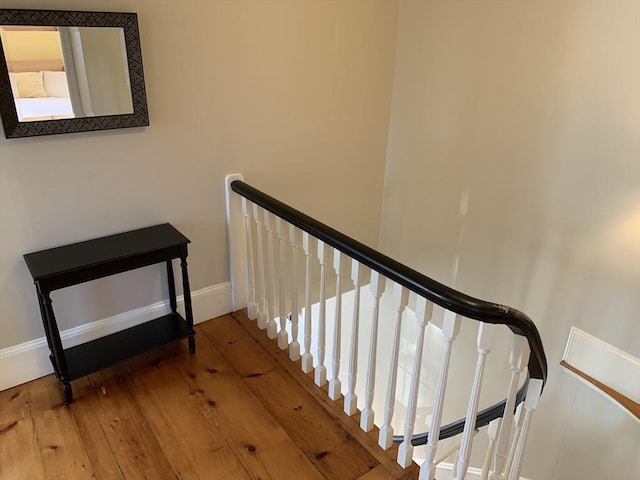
64, 72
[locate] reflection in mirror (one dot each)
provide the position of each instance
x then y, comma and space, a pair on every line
67, 72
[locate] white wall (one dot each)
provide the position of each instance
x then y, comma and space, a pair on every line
532, 109
295, 95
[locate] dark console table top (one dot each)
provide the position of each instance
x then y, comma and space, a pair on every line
92, 253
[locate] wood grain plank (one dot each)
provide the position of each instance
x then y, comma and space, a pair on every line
87, 395
280, 362
177, 415
117, 423
381, 472
323, 439
63, 455
378, 473
38, 437
96, 443
243, 423
20, 455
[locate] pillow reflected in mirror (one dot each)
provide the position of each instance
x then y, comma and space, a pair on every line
29, 84
55, 84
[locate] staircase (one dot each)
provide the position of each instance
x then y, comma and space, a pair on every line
281, 260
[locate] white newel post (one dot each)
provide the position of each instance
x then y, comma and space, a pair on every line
486, 335
320, 375
237, 233
424, 311
335, 385
400, 300
351, 399
450, 329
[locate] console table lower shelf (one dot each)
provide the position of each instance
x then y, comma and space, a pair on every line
118, 347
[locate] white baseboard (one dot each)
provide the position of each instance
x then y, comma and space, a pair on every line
30, 360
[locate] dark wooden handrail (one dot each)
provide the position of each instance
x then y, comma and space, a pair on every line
438, 293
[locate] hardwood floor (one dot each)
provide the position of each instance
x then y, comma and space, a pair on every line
237, 409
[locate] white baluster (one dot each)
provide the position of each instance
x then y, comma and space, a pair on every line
534, 390
400, 300
321, 371
252, 306
450, 330
262, 307
517, 422
334, 384
283, 339
485, 341
518, 360
454, 471
351, 399
377, 289
294, 347
424, 310
492, 432
307, 357
272, 326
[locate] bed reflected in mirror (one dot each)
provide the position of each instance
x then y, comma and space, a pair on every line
66, 72
63, 72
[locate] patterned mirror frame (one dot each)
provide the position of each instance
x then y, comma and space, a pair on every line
128, 21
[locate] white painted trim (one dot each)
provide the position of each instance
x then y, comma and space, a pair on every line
598, 390
30, 360
604, 362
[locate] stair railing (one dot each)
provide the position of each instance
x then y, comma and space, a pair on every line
258, 285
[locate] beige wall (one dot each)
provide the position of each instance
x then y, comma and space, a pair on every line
295, 95
532, 109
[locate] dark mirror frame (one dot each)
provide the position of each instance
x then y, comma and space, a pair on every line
60, 18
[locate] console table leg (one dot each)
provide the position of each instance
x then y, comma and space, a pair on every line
68, 392
43, 315
45, 324
173, 301
60, 363
188, 310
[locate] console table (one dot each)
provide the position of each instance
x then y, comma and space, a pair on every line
76, 263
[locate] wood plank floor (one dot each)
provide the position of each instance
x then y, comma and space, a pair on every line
237, 409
